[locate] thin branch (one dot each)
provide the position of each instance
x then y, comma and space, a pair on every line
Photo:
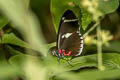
91, 29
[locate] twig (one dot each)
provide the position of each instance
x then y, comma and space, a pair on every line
91, 29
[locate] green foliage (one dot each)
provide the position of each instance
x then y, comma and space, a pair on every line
51, 45
111, 60
5, 68
12, 39
57, 10
85, 18
92, 75
13, 52
18, 60
108, 6
18, 56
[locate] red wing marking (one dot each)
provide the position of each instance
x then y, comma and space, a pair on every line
64, 53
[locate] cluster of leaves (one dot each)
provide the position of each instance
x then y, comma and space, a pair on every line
13, 62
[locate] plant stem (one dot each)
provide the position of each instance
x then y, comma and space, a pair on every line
91, 29
99, 48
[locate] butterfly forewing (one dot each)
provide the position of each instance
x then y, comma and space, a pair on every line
67, 27
69, 37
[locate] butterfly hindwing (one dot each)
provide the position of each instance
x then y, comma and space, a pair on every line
73, 43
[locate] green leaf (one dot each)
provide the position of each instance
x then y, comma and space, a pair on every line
13, 51
110, 60
17, 60
105, 6
12, 39
99, 75
58, 7
108, 6
86, 18
83, 61
57, 10
51, 45
90, 75
3, 22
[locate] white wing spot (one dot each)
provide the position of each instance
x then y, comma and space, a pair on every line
81, 37
78, 31
63, 18
81, 45
66, 35
81, 41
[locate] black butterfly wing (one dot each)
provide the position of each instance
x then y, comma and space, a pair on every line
73, 43
69, 37
67, 27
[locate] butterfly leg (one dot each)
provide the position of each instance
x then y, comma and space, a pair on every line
58, 59
68, 62
59, 56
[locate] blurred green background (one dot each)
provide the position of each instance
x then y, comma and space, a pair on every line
42, 9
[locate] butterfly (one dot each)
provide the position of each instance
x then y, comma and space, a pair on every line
69, 39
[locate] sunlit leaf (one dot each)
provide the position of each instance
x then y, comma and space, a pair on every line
86, 18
